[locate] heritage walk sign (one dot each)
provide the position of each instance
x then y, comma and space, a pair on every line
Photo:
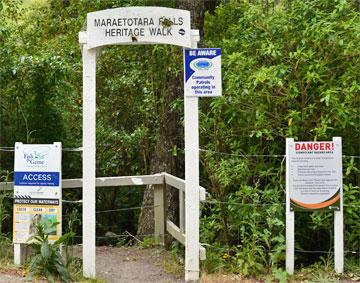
139, 25
37, 192
314, 182
128, 26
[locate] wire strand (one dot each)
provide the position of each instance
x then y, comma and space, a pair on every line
127, 208
75, 149
260, 204
7, 148
242, 155
205, 201
206, 245
260, 155
116, 236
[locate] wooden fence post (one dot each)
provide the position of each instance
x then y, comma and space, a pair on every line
17, 254
160, 212
182, 211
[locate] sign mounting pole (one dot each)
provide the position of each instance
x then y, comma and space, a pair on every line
192, 217
339, 221
290, 218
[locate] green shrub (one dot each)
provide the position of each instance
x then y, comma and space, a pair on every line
47, 260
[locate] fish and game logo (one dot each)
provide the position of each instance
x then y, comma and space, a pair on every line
36, 156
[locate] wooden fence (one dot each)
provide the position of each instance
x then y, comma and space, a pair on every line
159, 182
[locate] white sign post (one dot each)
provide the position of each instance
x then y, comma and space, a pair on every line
37, 192
314, 182
128, 26
202, 70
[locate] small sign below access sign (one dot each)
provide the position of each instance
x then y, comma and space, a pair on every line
202, 71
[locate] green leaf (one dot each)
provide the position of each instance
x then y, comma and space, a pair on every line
46, 250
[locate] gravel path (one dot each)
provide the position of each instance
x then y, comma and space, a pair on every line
117, 265
134, 264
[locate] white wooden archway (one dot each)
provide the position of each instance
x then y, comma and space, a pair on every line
148, 25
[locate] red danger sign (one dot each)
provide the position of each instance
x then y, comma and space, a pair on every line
309, 146
314, 171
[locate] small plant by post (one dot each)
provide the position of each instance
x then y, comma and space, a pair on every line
47, 260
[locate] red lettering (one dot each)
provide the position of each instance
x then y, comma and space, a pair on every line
314, 146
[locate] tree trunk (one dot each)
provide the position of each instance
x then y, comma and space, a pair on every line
197, 13
163, 160
169, 136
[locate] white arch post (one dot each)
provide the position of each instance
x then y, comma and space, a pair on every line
89, 158
192, 217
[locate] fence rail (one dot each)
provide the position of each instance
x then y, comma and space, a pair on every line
159, 182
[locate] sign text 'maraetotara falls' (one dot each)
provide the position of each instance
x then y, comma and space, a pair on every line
138, 26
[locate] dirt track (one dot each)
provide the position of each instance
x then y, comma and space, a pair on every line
132, 265
117, 265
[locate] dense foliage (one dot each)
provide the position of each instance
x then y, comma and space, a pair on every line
290, 69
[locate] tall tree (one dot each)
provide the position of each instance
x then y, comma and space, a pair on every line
170, 137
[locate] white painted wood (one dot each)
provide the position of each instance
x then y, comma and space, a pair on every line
6, 186
175, 231
339, 217
202, 193
159, 213
17, 254
17, 247
59, 146
89, 155
174, 181
182, 211
177, 33
83, 37
156, 179
290, 218
179, 184
202, 253
192, 217
179, 236
96, 35
71, 183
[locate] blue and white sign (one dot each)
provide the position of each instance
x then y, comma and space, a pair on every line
49, 179
37, 190
37, 171
202, 72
